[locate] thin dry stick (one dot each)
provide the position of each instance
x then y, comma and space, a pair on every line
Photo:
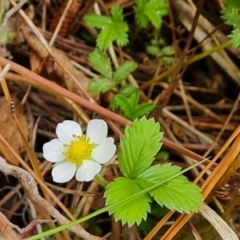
45, 44
167, 113
4, 71
234, 108
188, 160
34, 79
196, 104
28, 182
218, 223
186, 104
212, 179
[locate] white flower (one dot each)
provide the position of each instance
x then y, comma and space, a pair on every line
77, 153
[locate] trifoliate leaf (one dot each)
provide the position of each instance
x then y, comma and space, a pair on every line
138, 147
112, 29
100, 85
131, 211
127, 101
176, 194
123, 71
101, 63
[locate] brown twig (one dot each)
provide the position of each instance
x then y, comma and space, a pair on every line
28, 181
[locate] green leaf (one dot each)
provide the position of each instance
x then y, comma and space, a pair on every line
121, 101
100, 85
152, 10
119, 31
116, 13
97, 21
138, 147
152, 50
112, 29
132, 211
105, 38
231, 12
127, 89
123, 71
143, 109
235, 38
141, 18
133, 98
167, 51
155, 10
177, 194
101, 63
232, 17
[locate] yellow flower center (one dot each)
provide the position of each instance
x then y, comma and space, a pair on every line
79, 149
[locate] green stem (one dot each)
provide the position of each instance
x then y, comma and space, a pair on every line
100, 180
107, 208
185, 64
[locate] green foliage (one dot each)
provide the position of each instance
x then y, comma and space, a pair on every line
6, 34
140, 144
232, 17
112, 28
110, 79
164, 54
150, 11
163, 155
128, 96
137, 152
4, 6
127, 100
101, 63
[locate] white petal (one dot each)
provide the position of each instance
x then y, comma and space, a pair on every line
66, 129
63, 172
104, 151
87, 170
52, 151
97, 130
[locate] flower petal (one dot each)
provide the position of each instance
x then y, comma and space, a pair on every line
66, 129
63, 172
104, 151
87, 171
97, 130
52, 151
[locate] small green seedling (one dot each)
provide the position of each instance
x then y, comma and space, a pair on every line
112, 28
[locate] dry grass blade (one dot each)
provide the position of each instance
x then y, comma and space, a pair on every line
28, 182
207, 186
217, 222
